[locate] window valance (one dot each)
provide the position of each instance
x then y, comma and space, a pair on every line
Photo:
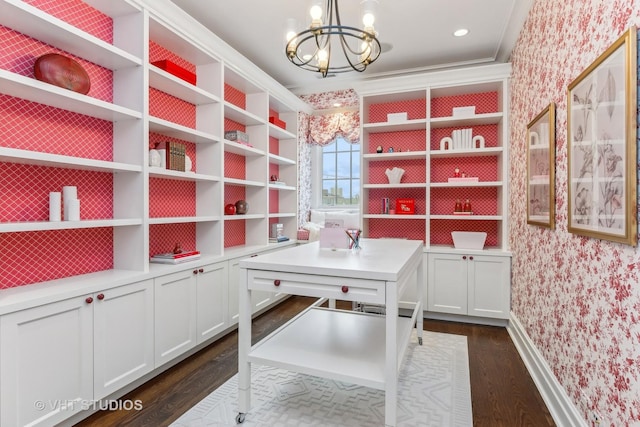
325, 128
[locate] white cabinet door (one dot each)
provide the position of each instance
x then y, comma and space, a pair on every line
46, 362
175, 315
123, 336
447, 283
234, 305
473, 285
212, 300
259, 299
490, 286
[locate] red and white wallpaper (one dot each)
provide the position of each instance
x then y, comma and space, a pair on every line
578, 298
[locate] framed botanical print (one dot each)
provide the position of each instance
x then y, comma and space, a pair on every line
541, 150
601, 145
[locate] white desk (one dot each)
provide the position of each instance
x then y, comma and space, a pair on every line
359, 348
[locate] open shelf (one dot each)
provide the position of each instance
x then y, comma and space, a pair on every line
39, 25
354, 354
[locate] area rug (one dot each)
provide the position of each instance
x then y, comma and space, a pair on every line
433, 390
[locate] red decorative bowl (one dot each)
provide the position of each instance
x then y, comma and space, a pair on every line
62, 71
230, 209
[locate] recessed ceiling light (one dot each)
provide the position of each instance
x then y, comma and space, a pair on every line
461, 32
337, 104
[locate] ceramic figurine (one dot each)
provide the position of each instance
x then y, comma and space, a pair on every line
391, 149
154, 158
467, 206
458, 206
456, 173
379, 149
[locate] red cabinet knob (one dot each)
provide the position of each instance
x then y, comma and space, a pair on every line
471, 258
345, 289
276, 282
201, 270
89, 300
464, 257
100, 297
195, 271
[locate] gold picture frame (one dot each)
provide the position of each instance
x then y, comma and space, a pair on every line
541, 154
601, 149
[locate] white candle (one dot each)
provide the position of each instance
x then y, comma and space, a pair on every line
69, 192
55, 206
74, 210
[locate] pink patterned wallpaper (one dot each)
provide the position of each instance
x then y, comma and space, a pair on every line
578, 298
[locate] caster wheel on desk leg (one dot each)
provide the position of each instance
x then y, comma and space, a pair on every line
420, 341
240, 418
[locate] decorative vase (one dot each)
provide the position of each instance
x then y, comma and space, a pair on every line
62, 71
242, 207
230, 209
394, 175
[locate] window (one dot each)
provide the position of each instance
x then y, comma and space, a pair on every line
338, 169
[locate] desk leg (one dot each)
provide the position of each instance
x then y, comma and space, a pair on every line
421, 288
391, 355
244, 345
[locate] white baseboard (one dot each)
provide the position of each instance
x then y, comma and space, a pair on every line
560, 406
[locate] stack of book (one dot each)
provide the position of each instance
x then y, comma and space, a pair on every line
171, 258
176, 153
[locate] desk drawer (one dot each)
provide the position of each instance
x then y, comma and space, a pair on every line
371, 291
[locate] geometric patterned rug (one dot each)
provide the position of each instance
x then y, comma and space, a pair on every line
434, 390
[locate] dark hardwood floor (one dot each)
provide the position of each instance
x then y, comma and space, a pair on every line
502, 392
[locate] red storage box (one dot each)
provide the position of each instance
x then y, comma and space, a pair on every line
276, 121
405, 206
176, 70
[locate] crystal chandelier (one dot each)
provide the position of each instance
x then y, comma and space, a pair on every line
311, 49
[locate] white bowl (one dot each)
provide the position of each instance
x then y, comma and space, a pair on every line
468, 239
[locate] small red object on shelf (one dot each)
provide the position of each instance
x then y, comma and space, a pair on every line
303, 234
458, 206
176, 70
276, 121
467, 206
230, 209
405, 206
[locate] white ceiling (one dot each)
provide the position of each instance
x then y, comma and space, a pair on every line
418, 31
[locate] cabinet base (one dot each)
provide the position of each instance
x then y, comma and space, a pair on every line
466, 319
